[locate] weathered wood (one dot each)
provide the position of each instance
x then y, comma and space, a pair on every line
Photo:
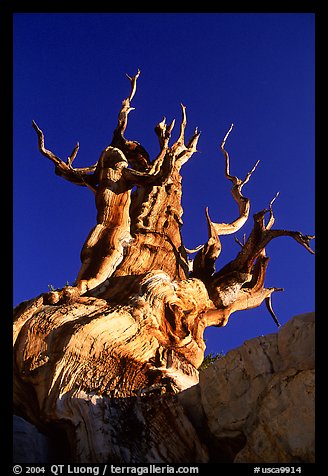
94, 359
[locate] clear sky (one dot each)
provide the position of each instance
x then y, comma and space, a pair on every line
255, 70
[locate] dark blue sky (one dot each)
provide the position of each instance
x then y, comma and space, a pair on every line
255, 70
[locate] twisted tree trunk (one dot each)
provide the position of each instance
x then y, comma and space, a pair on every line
102, 360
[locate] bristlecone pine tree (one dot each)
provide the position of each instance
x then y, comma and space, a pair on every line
100, 363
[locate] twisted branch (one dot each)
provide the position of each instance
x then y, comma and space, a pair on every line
204, 262
135, 153
79, 176
181, 151
237, 185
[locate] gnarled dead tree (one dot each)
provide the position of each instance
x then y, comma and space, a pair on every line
102, 360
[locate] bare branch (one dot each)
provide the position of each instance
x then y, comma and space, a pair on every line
251, 293
133, 81
237, 185
227, 170
235, 180
261, 234
250, 300
217, 229
248, 294
303, 240
204, 262
182, 125
192, 143
136, 155
181, 151
273, 200
256, 286
256, 243
248, 176
189, 150
125, 109
169, 129
160, 130
163, 132
159, 172
71, 157
65, 170
193, 250
47, 153
271, 219
179, 146
238, 241
268, 303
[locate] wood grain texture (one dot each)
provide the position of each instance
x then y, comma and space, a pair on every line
131, 327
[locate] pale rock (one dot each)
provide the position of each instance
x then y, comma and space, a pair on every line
260, 397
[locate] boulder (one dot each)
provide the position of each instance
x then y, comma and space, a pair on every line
256, 404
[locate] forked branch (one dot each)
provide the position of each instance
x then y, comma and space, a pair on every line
79, 176
126, 107
237, 185
136, 155
161, 167
237, 291
204, 262
163, 132
251, 261
181, 151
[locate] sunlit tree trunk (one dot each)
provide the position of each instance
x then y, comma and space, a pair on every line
101, 361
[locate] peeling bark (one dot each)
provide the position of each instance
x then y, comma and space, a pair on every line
94, 358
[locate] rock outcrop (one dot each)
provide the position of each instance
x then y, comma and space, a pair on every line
254, 405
